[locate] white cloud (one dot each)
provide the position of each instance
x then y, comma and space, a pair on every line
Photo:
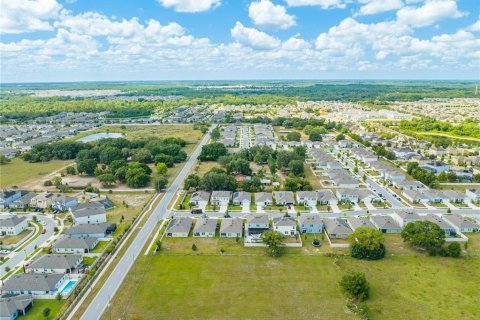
253, 38
370, 7
295, 44
324, 4
265, 13
190, 5
474, 27
431, 12
20, 16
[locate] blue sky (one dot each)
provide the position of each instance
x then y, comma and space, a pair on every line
55, 40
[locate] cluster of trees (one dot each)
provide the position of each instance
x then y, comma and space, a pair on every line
215, 179
426, 177
203, 127
367, 243
429, 236
467, 128
382, 152
449, 176
212, 151
315, 132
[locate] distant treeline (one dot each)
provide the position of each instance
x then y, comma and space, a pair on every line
23, 107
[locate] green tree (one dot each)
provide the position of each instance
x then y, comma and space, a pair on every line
454, 249
46, 312
142, 155
341, 136
192, 181
107, 179
137, 178
274, 241
165, 158
160, 183
356, 286
296, 168
212, 151
87, 166
215, 134
109, 154
71, 170
3, 159
424, 234
367, 243
218, 180
161, 168
294, 136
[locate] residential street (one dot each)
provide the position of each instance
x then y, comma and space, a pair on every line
111, 285
15, 258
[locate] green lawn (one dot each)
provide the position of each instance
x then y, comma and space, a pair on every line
8, 240
88, 260
100, 246
19, 172
39, 305
244, 283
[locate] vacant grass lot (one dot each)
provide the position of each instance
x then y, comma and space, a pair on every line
246, 284
19, 172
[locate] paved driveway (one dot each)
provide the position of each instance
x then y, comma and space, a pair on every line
369, 205
223, 208
246, 208
260, 209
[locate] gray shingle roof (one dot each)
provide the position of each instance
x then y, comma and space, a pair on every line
258, 218
32, 282
179, 225
263, 196
88, 209
357, 222
461, 222
76, 243
205, 225
310, 219
87, 229
385, 222
231, 225
337, 226
200, 196
284, 222
9, 305
56, 261
11, 221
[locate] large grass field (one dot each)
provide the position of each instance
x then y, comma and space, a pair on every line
243, 283
19, 172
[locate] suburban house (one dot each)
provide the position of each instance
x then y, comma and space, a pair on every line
263, 199
285, 225
257, 224
404, 217
23, 202
408, 184
7, 197
221, 198
386, 224
89, 212
454, 196
444, 225
359, 222
42, 201
13, 225
347, 195
200, 198
307, 198
473, 194
414, 196
310, 223
94, 230
11, 307
55, 263
325, 197
74, 245
462, 224
337, 228
205, 227
284, 198
231, 228
62, 202
34, 284
179, 227
242, 198
436, 167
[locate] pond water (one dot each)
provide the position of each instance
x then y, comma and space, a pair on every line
100, 135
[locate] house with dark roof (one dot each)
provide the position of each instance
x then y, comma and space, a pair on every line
461, 223
23, 202
13, 306
63, 202
205, 227
13, 225
34, 284
7, 197
231, 228
55, 263
89, 212
179, 227
74, 245
310, 223
386, 224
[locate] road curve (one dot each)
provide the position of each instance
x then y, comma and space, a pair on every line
99, 304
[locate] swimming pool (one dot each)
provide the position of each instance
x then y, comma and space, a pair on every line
68, 287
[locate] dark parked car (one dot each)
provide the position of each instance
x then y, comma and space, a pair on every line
196, 211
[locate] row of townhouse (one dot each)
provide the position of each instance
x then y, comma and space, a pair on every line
264, 136
21, 199
229, 135
441, 196
308, 198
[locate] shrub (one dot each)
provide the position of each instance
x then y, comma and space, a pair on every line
356, 286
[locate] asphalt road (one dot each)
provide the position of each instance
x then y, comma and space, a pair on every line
16, 258
101, 301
